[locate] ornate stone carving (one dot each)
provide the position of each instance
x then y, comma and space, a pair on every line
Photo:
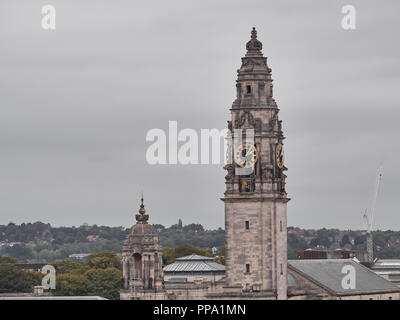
230, 168
247, 121
267, 171
230, 125
254, 46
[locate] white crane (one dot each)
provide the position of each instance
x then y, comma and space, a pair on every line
369, 219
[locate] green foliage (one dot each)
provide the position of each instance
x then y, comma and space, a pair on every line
295, 245
221, 255
43, 243
8, 260
19, 251
13, 279
69, 266
104, 282
186, 249
345, 240
194, 234
104, 260
100, 275
324, 237
169, 254
47, 243
71, 284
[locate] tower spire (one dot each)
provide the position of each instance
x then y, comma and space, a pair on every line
142, 217
254, 46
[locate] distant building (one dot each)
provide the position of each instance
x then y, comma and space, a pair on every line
79, 256
312, 254
332, 254
92, 238
388, 269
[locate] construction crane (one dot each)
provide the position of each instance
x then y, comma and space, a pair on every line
369, 218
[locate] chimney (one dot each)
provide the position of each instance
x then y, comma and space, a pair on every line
38, 291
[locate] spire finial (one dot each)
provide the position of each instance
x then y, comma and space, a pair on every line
142, 210
254, 34
142, 217
254, 46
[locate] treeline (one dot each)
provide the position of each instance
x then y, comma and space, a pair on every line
13, 279
99, 275
386, 243
41, 243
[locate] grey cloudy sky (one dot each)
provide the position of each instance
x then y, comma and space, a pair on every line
76, 104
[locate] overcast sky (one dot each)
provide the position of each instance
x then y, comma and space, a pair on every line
76, 104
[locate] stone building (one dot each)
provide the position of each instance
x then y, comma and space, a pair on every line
255, 221
255, 197
142, 261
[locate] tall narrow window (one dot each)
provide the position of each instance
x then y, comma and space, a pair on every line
248, 89
247, 223
281, 269
247, 268
281, 226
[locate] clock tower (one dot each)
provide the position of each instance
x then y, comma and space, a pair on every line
255, 197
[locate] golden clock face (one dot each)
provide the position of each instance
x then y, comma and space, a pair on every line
246, 155
280, 156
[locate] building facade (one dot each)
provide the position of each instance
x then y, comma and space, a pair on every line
255, 222
255, 197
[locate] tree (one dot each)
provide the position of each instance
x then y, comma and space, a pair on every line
105, 259
100, 275
185, 250
221, 255
71, 284
69, 266
168, 255
8, 260
295, 245
345, 240
19, 251
13, 279
104, 282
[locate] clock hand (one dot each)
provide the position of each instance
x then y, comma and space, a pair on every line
249, 152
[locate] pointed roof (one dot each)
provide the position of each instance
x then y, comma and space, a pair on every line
142, 217
254, 46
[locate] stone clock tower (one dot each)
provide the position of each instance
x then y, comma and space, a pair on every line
255, 200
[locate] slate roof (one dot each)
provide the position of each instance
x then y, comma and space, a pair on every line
195, 257
386, 264
194, 263
328, 274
